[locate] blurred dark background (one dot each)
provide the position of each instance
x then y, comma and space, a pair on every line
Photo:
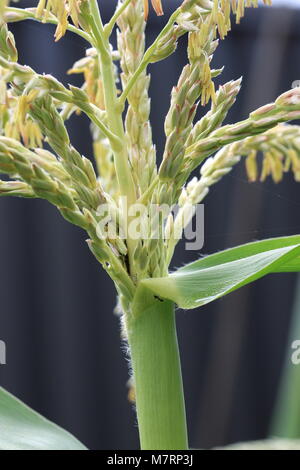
64, 356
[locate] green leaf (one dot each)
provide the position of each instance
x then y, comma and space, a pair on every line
21, 428
268, 444
216, 275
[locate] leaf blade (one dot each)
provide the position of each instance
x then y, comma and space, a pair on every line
267, 444
21, 428
216, 275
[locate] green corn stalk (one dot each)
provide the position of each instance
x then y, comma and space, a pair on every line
286, 419
34, 109
155, 360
